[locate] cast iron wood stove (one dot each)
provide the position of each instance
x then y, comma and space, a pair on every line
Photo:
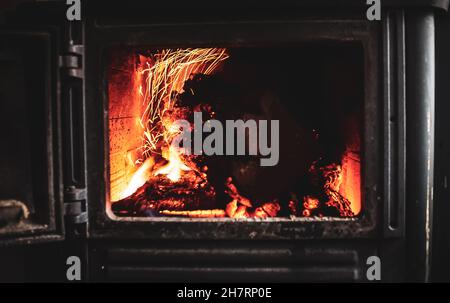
354, 100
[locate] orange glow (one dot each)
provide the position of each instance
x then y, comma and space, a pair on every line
310, 202
139, 178
143, 112
351, 180
175, 167
155, 82
164, 76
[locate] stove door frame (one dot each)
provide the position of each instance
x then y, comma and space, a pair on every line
100, 36
46, 222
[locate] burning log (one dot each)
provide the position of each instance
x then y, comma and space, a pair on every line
192, 196
327, 178
339, 202
267, 210
309, 205
271, 208
233, 210
237, 208
200, 213
232, 191
159, 193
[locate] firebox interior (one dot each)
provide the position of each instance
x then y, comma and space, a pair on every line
314, 90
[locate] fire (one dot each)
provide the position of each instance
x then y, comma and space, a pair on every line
165, 75
139, 178
175, 167
170, 182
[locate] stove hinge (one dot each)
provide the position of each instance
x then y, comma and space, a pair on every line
75, 208
71, 62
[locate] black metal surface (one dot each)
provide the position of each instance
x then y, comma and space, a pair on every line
203, 5
419, 141
230, 262
394, 122
441, 224
335, 257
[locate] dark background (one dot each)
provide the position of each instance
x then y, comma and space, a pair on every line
46, 262
441, 224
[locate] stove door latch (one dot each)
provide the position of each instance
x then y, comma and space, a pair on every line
75, 210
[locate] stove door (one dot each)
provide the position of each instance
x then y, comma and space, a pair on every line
31, 193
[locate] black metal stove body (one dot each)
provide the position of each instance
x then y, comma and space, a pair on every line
397, 150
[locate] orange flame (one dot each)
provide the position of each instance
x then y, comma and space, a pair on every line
174, 167
163, 76
139, 178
